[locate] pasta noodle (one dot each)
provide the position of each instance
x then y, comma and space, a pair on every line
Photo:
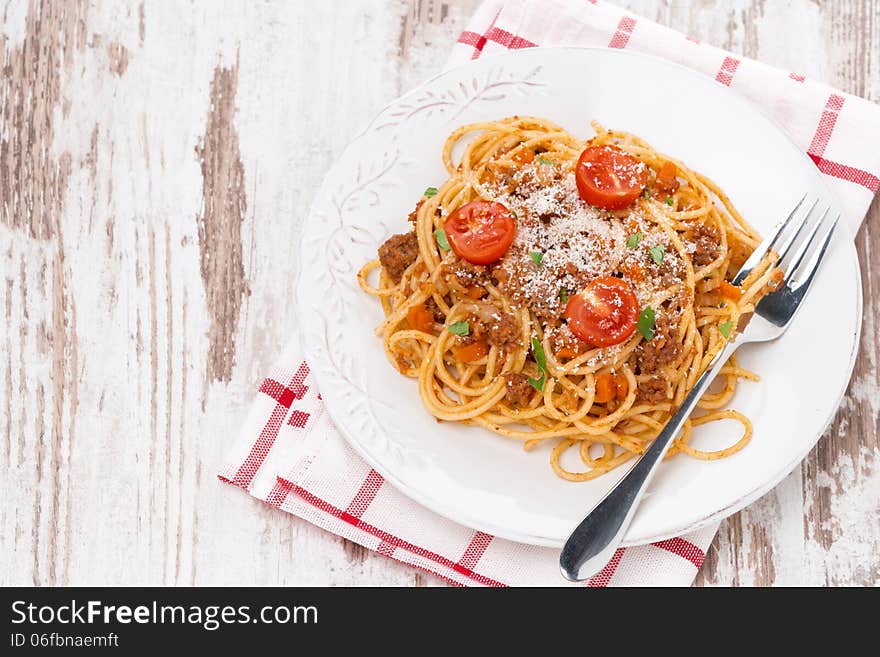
489, 344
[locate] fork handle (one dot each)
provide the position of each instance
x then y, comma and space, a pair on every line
594, 541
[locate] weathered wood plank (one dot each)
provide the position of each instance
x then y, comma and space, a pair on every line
225, 206
151, 201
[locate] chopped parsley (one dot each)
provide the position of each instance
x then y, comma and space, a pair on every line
440, 236
669, 201
459, 328
563, 295
541, 359
544, 160
657, 254
538, 384
725, 329
431, 191
536, 257
646, 323
633, 240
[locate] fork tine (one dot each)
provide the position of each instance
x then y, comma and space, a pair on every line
789, 243
801, 252
769, 242
813, 265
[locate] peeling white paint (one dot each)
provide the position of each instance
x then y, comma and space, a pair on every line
312, 74
855, 521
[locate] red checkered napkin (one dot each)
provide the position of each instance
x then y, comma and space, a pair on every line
290, 455
840, 132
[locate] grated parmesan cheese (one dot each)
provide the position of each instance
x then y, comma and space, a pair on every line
578, 243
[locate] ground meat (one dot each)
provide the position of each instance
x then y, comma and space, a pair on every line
540, 175
499, 275
519, 390
651, 391
434, 309
708, 244
517, 278
504, 332
412, 215
498, 328
501, 178
664, 348
563, 340
468, 274
672, 272
398, 253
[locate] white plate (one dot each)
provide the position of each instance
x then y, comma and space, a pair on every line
488, 482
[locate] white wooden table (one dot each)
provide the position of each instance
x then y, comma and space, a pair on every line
143, 293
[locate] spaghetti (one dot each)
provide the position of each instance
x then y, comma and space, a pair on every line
504, 327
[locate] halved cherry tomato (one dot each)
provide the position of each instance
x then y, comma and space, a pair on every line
480, 231
730, 291
606, 389
420, 318
609, 178
604, 313
468, 353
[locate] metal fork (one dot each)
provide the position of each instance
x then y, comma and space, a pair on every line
594, 541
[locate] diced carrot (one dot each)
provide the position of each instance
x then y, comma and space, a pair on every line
633, 270
666, 178
606, 389
468, 353
475, 292
570, 350
730, 291
420, 318
622, 387
523, 156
